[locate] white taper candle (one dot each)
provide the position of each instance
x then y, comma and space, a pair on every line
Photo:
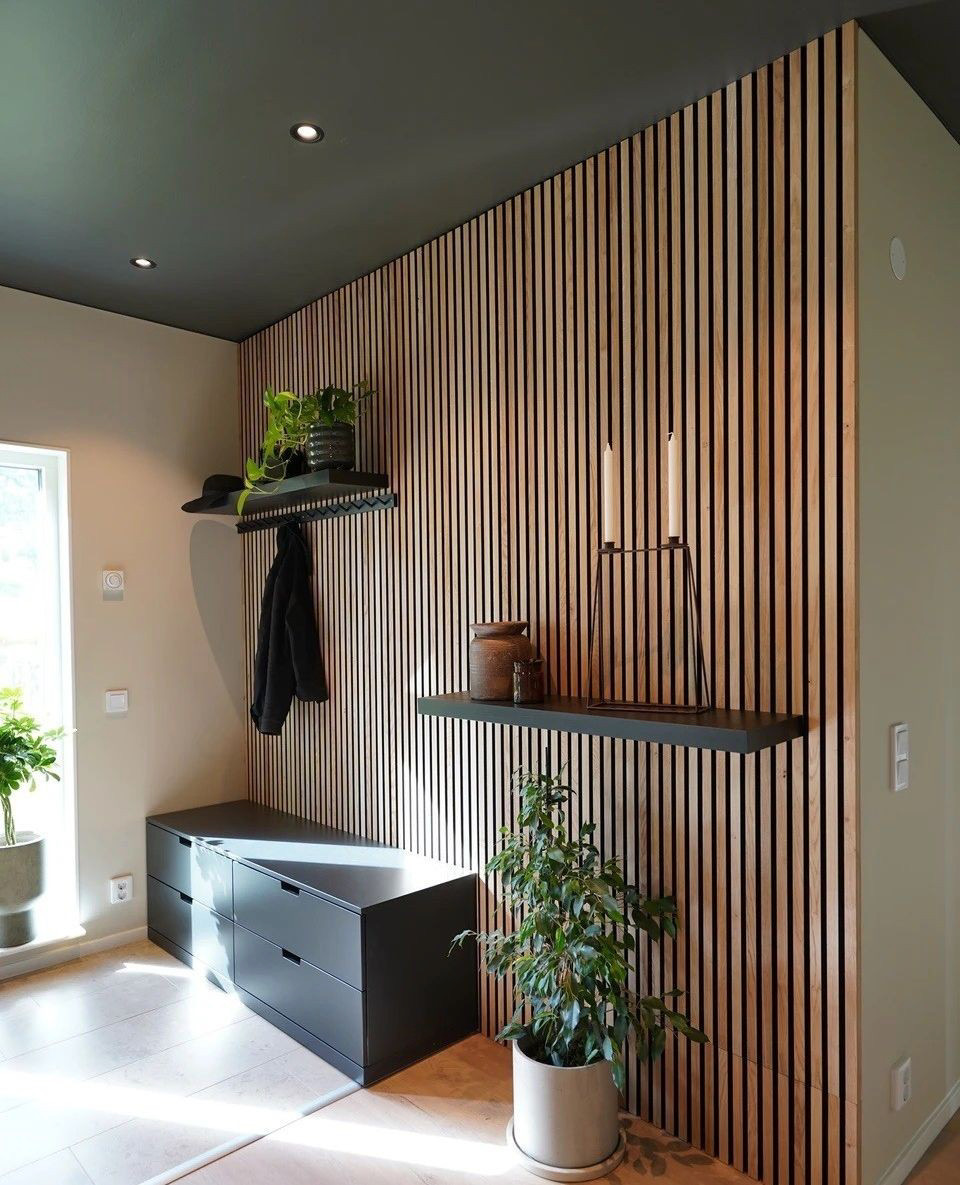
610, 531
673, 487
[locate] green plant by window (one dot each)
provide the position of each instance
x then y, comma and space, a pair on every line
573, 941
289, 420
25, 751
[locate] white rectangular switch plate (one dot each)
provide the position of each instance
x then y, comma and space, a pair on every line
899, 757
117, 702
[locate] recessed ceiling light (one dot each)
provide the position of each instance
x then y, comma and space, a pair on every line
141, 261
307, 133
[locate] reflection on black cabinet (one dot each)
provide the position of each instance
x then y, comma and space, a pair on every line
341, 942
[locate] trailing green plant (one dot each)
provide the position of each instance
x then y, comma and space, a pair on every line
289, 420
573, 941
25, 751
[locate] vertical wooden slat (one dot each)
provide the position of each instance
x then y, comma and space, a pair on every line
699, 276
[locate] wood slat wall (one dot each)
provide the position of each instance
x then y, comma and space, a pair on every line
698, 276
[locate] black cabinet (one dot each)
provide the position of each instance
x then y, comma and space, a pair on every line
206, 934
317, 1002
340, 941
327, 935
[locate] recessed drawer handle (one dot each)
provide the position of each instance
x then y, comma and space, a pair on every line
184, 897
291, 957
288, 888
187, 843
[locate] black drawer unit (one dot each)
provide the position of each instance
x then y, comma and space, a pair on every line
324, 934
207, 935
312, 999
196, 869
340, 941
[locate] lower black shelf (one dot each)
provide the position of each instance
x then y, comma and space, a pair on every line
717, 729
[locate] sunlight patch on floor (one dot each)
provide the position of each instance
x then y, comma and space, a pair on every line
177, 971
136, 1103
406, 1147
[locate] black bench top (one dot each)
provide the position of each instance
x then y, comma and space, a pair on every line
351, 871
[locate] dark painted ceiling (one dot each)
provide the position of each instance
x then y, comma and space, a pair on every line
923, 42
160, 127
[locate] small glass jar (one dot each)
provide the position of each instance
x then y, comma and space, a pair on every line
528, 681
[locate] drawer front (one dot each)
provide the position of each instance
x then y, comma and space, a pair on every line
317, 1002
193, 868
320, 932
198, 930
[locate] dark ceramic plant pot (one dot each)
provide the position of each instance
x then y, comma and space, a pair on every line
494, 650
331, 448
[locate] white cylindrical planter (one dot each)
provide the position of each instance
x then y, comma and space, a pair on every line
21, 886
565, 1122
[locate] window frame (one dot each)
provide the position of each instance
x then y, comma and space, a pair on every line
54, 467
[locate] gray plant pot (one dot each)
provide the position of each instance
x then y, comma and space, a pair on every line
21, 886
331, 448
566, 1124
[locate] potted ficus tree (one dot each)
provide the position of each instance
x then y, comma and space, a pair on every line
317, 430
570, 944
26, 750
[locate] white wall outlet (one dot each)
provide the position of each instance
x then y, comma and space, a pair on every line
112, 584
899, 757
901, 1084
121, 889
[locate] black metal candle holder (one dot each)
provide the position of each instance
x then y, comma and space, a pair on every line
597, 699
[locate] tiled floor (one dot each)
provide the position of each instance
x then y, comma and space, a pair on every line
119, 1067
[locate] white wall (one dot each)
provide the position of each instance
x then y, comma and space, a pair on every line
909, 478
146, 412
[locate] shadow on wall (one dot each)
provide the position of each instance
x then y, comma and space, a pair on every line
216, 576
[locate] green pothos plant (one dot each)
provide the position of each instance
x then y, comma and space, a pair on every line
289, 420
25, 752
573, 941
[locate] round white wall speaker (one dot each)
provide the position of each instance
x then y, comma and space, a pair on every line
898, 257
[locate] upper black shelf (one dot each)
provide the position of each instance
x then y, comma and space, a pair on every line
717, 729
322, 486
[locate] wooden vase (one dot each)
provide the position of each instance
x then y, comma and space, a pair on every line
494, 650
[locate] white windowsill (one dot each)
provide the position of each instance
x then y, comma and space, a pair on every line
50, 948
50, 937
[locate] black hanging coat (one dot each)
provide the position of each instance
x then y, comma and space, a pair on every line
288, 658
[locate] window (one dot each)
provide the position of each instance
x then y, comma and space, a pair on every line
36, 652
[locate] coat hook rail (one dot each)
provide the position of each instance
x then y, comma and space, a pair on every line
315, 513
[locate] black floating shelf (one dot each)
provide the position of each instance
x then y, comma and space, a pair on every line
296, 491
294, 499
717, 729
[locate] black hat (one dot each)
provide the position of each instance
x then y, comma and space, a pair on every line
216, 488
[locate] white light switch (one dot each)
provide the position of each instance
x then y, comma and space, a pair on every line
116, 703
899, 757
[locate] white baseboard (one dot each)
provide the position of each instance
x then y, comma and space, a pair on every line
63, 950
908, 1159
